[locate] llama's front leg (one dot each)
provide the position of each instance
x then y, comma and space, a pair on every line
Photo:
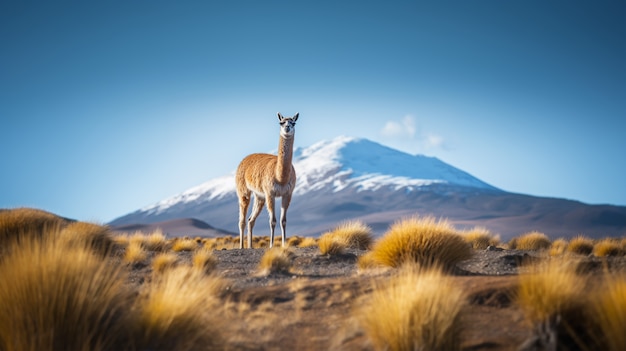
272, 215
244, 202
283, 218
256, 209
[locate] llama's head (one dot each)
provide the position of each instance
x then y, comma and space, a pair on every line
287, 125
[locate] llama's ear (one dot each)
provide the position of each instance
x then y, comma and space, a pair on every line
280, 117
295, 117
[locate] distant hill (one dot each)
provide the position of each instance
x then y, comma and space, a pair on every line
351, 178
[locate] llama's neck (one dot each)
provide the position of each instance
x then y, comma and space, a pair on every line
283, 164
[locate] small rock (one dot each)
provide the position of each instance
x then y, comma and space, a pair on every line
494, 248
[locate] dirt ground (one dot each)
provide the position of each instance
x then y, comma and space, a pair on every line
311, 307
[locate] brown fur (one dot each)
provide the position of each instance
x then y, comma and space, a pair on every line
267, 177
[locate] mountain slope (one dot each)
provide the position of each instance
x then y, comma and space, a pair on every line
348, 178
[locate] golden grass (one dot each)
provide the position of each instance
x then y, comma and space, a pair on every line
480, 238
204, 261
163, 262
179, 310
95, 236
18, 223
294, 241
331, 245
554, 301
580, 245
417, 310
308, 242
558, 247
353, 234
275, 260
156, 241
134, 253
425, 241
55, 296
184, 244
530, 241
608, 247
610, 313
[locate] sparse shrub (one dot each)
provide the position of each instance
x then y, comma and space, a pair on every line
55, 296
156, 241
607, 247
275, 260
185, 244
308, 242
163, 262
480, 238
416, 310
425, 241
553, 299
531, 241
609, 306
354, 234
15, 224
558, 247
368, 261
204, 261
331, 245
92, 235
179, 311
134, 253
121, 240
294, 241
580, 245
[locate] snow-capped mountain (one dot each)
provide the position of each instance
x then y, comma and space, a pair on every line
351, 178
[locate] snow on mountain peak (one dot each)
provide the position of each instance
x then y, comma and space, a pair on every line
340, 163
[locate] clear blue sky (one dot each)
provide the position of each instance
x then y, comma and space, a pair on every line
108, 106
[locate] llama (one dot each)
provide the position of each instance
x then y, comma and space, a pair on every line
267, 177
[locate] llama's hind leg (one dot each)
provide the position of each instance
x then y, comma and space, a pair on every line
272, 215
256, 210
284, 205
244, 202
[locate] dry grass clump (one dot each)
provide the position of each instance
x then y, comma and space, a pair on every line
480, 238
417, 310
580, 245
55, 296
354, 234
608, 247
609, 306
163, 262
204, 261
156, 241
294, 241
425, 241
95, 236
134, 253
179, 311
184, 244
530, 241
553, 299
18, 223
308, 242
275, 260
558, 247
331, 245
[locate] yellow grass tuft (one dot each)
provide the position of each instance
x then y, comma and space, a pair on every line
179, 310
55, 296
134, 253
580, 245
608, 247
95, 236
156, 241
530, 241
354, 234
294, 241
417, 310
331, 245
18, 223
610, 312
425, 241
163, 262
308, 242
480, 238
553, 299
184, 244
275, 260
558, 247
204, 261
